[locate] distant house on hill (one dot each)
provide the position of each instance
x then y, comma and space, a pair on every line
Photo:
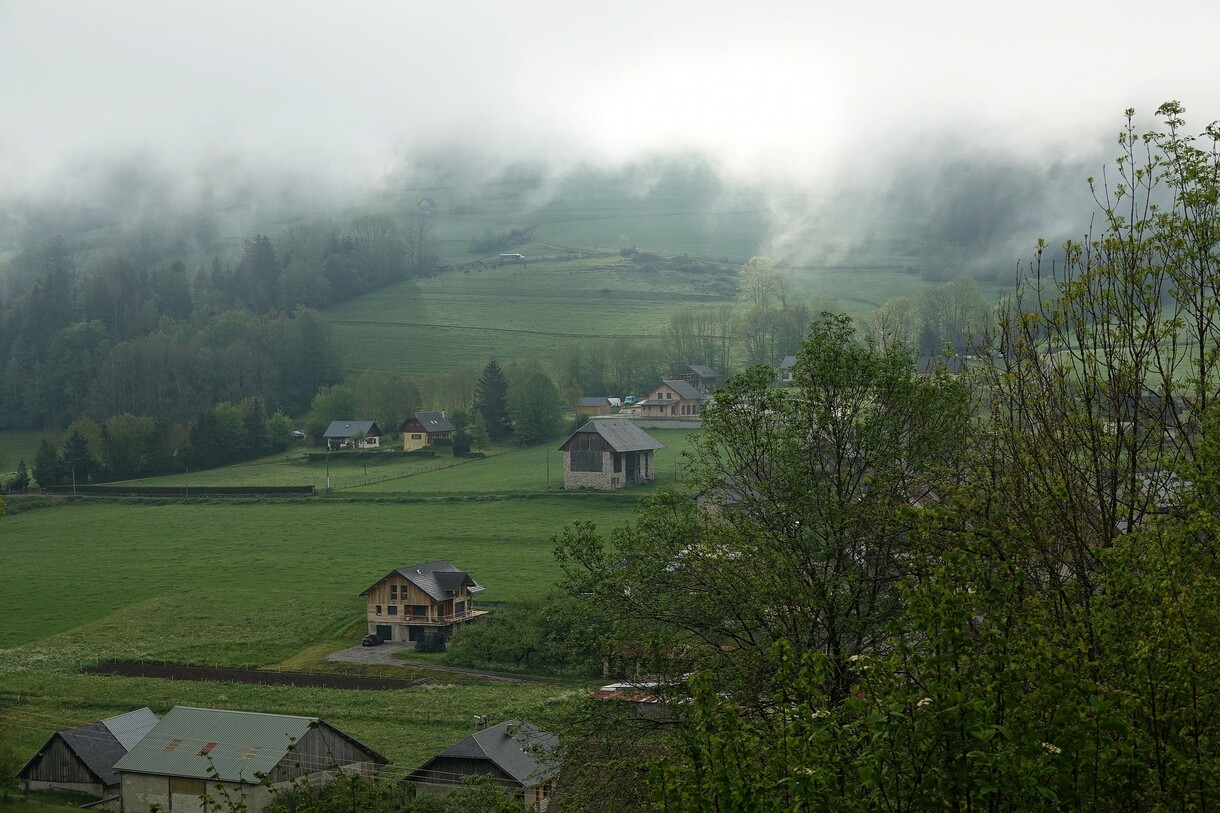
673, 398
593, 405
701, 377
517, 755
357, 434
427, 206
608, 453
787, 369
421, 604
82, 759
225, 753
424, 429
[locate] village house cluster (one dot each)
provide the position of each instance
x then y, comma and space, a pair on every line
241, 759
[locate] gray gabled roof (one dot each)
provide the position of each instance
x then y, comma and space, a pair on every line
432, 422
622, 435
351, 429
703, 371
685, 389
232, 746
524, 754
100, 745
439, 579
789, 361
594, 401
131, 727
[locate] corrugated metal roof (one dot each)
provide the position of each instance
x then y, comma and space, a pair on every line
131, 727
246, 744
351, 429
621, 435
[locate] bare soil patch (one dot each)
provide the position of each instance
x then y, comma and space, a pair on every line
170, 671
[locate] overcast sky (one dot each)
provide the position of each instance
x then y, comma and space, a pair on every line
797, 91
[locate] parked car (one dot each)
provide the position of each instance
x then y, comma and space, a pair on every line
370, 640
298, 434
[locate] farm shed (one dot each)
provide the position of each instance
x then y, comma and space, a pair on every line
421, 604
193, 751
82, 759
423, 429
593, 405
516, 755
357, 434
608, 453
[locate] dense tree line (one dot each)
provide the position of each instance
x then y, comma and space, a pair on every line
881, 591
161, 341
126, 446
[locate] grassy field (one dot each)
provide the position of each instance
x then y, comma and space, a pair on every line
16, 446
254, 583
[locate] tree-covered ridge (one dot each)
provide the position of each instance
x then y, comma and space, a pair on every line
163, 342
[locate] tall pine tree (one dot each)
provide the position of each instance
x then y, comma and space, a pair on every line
491, 401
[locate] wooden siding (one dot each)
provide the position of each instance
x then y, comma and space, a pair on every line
408, 596
449, 772
323, 750
59, 764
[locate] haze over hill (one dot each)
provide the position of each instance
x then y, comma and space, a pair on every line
214, 121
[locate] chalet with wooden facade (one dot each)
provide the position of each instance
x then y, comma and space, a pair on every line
701, 377
421, 604
223, 753
423, 429
608, 453
516, 755
82, 759
356, 434
673, 398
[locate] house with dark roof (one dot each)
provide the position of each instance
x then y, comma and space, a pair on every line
608, 453
225, 754
421, 604
517, 755
356, 434
82, 759
673, 398
593, 405
423, 429
427, 206
701, 377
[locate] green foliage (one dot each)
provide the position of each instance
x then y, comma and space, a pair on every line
535, 408
551, 635
334, 403
491, 401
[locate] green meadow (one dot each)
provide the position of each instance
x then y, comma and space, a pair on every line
255, 583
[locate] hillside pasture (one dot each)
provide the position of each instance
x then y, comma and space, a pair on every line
513, 312
250, 583
526, 471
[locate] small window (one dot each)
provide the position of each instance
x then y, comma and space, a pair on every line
393, 608
416, 437
419, 610
378, 609
393, 592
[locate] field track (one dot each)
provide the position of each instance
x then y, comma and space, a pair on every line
169, 671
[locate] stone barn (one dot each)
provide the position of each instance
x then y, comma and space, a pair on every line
608, 454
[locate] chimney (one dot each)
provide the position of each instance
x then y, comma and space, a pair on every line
510, 730
480, 722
